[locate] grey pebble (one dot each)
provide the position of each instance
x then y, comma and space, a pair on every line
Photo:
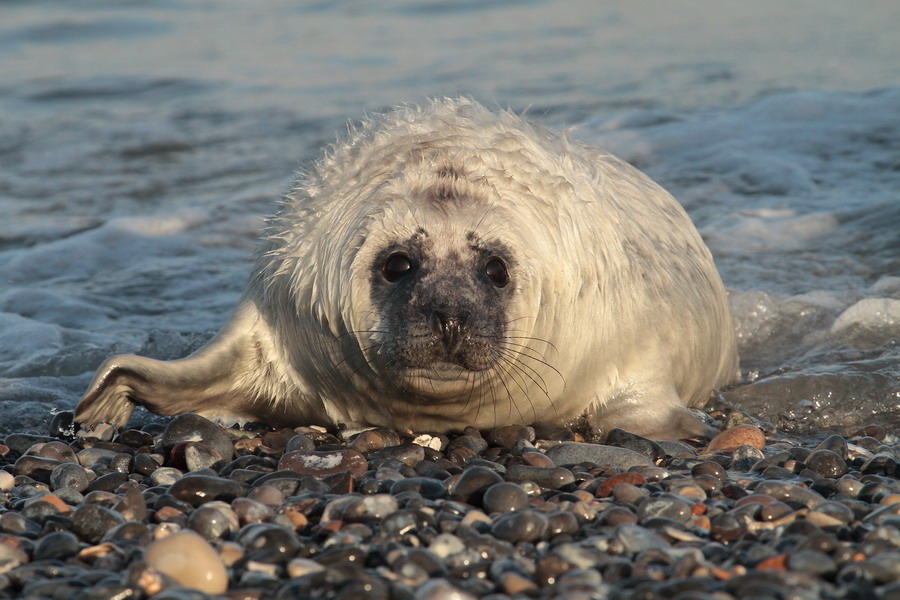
571, 453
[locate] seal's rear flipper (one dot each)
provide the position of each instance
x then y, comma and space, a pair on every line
656, 413
207, 382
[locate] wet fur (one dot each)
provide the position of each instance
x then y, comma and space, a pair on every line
614, 308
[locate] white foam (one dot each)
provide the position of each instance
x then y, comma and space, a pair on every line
870, 322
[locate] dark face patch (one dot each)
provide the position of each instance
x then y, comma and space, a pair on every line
449, 306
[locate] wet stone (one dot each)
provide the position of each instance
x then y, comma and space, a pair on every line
745, 457
709, 467
427, 487
197, 489
165, 476
625, 439
21, 442
90, 457
201, 455
546, 477
190, 428
360, 509
145, 464
789, 493
508, 436
324, 463
190, 560
472, 442
402, 522
504, 497
472, 483
827, 463
35, 467
407, 454
269, 543
69, 475
666, 506
521, 526
59, 545
91, 521
572, 453
108, 483
213, 522
636, 539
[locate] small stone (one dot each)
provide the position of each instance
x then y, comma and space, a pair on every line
606, 487
213, 520
789, 493
69, 475
36, 468
190, 560
827, 463
251, 511
445, 544
710, 467
521, 526
268, 542
740, 435
431, 489
298, 567
191, 428
572, 453
551, 478
636, 539
472, 484
360, 509
91, 521
643, 446
324, 463
91, 457
198, 489
165, 476
666, 506
836, 444
408, 454
441, 589
504, 497
299, 442
507, 436
59, 545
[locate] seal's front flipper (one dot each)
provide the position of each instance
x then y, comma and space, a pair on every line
655, 412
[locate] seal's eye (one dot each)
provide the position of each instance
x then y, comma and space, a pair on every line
396, 266
496, 271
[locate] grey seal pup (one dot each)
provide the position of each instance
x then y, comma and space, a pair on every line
446, 265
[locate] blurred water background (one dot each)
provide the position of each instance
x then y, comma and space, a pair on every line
143, 143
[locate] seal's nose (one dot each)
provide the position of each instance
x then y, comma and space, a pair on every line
448, 327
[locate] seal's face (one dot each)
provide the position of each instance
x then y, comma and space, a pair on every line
442, 297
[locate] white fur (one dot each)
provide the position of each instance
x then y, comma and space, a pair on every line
615, 289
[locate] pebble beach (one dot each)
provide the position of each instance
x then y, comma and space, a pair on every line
142, 146
189, 510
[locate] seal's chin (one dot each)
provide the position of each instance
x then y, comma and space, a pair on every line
440, 380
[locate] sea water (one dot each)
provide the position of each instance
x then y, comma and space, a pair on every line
142, 145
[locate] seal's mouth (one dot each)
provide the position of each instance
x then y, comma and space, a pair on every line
440, 380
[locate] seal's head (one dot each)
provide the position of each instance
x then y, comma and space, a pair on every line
448, 266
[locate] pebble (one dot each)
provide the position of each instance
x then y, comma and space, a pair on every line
324, 463
735, 437
505, 497
188, 559
573, 453
519, 512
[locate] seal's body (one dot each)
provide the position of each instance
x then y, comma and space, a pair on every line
449, 266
